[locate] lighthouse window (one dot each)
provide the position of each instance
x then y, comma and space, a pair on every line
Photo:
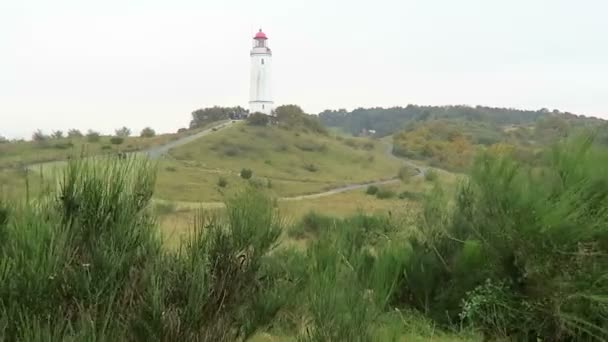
262, 61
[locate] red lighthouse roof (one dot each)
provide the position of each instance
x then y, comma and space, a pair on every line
260, 35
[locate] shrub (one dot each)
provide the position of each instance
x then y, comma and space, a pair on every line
231, 151
311, 167
117, 140
182, 130
222, 182
106, 147
258, 119
371, 190
507, 258
385, 194
171, 168
3, 140
57, 134
93, 136
147, 133
246, 173
430, 175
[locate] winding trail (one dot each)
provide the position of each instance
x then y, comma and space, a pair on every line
420, 171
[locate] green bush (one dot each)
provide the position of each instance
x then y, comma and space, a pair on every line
147, 133
385, 194
258, 119
222, 182
371, 190
171, 168
311, 225
405, 173
520, 255
311, 167
246, 173
117, 140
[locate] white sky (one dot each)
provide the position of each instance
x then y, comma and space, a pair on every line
104, 64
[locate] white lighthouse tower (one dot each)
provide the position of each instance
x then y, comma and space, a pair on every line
260, 97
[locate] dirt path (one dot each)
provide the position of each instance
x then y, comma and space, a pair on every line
156, 152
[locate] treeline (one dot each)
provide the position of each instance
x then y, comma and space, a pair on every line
386, 121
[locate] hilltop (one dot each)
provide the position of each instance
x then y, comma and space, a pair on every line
285, 160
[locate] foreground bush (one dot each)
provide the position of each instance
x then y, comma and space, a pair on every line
523, 253
87, 264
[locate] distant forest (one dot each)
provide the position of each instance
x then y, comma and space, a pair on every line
449, 136
386, 121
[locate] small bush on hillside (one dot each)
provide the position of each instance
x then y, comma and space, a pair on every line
117, 140
385, 194
222, 182
311, 225
268, 162
231, 151
3, 140
371, 190
431, 175
246, 173
171, 168
311, 167
182, 130
258, 119
106, 147
147, 133
93, 136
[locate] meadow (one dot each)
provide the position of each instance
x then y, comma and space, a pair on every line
513, 252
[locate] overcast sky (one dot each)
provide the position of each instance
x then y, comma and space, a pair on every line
105, 64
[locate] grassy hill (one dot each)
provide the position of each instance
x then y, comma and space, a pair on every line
286, 162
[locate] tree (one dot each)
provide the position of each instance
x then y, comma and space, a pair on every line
3, 140
147, 133
258, 119
39, 136
123, 132
93, 136
117, 140
74, 133
216, 113
57, 135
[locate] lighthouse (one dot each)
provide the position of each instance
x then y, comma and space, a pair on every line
260, 97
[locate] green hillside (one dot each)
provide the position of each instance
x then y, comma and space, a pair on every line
286, 161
